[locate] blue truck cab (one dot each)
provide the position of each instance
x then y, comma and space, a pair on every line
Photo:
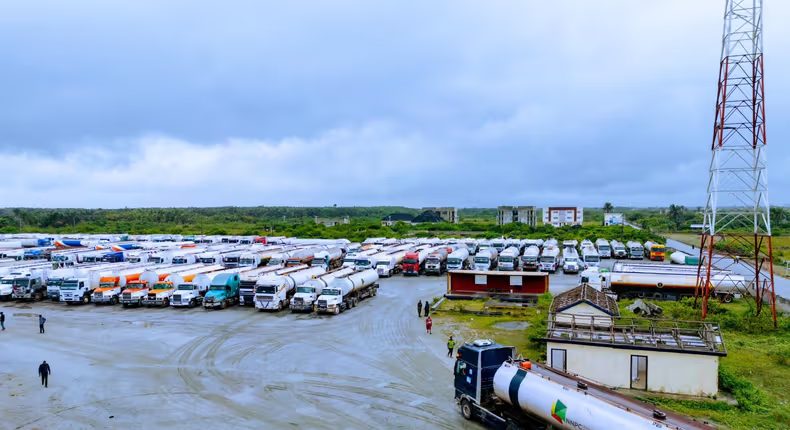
223, 291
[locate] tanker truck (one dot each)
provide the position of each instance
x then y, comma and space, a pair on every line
414, 262
329, 259
458, 260
493, 387
250, 278
25, 284
79, 289
436, 263
274, 293
345, 292
529, 261
137, 290
161, 292
308, 293
110, 287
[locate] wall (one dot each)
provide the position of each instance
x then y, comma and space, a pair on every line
666, 372
579, 311
463, 282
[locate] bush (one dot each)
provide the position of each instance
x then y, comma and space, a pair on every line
748, 396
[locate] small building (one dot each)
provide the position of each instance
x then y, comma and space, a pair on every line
496, 284
447, 214
663, 356
560, 216
524, 214
612, 219
395, 218
580, 301
331, 222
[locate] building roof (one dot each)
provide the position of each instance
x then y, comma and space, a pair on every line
428, 216
688, 337
398, 217
585, 294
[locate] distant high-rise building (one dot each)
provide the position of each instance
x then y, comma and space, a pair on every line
524, 214
559, 216
448, 214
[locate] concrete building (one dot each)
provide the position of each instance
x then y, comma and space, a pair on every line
580, 301
559, 216
524, 214
663, 356
447, 214
394, 218
613, 219
331, 222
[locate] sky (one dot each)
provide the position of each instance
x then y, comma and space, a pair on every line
144, 103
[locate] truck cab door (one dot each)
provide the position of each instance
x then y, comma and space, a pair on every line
465, 379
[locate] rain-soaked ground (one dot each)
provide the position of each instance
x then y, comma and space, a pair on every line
370, 367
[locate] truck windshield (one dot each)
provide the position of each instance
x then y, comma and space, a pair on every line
264, 290
546, 259
67, 285
383, 263
179, 260
247, 261
217, 288
362, 263
433, 260
331, 292
409, 261
570, 260
106, 285
603, 248
307, 290
162, 286
50, 282
208, 260
481, 260
185, 287
157, 260
529, 258
6, 281
591, 258
506, 259
454, 261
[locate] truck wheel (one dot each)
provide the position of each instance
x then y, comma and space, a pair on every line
375, 291
224, 304
125, 305
466, 409
727, 298
86, 300
192, 303
279, 306
113, 300
37, 297
166, 302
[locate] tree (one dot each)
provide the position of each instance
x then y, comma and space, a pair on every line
779, 216
608, 207
676, 215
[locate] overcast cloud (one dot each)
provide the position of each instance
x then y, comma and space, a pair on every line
447, 102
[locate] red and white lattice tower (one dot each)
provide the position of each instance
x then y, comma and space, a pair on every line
737, 210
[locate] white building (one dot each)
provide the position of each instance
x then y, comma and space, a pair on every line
564, 215
612, 219
586, 337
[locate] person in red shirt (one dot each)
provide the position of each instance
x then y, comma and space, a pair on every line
428, 325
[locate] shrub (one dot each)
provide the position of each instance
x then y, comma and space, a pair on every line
748, 396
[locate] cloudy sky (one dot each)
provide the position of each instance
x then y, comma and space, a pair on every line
317, 102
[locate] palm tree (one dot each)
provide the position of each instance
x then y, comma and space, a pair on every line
608, 207
676, 214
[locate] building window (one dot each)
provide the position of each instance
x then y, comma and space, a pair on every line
638, 372
559, 359
481, 280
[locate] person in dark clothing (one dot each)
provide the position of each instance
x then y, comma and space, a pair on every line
43, 371
419, 308
41, 321
2, 320
427, 309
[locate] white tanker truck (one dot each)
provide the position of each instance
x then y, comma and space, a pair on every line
307, 293
346, 291
274, 293
525, 395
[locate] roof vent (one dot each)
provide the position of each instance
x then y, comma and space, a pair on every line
659, 415
483, 342
581, 385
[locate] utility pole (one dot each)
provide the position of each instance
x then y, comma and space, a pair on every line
737, 209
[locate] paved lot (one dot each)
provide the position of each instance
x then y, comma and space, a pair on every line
370, 367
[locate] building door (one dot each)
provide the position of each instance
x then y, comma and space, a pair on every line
559, 359
638, 372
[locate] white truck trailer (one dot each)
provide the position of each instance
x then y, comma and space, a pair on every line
391, 263
471, 246
529, 261
110, 287
329, 259
604, 249
274, 293
590, 257
486, 259
509, 259
570, 260
346, 292
79, 289
248, 280
458, 260
306, 294
24, 284
549, 259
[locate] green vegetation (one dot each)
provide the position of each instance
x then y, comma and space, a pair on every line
756, 371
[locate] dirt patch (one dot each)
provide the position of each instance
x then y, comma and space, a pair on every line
512, 325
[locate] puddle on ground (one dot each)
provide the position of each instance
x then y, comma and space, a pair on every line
514, 325
25, 314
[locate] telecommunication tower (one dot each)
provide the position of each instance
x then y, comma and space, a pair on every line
737, 213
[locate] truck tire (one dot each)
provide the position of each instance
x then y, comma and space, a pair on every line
224, 304
37, 297
166, 302
125, 305
114, 300
86, 299
726, 298
140, 302
467, 409
192, 303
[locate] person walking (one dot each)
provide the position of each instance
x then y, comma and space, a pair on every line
44, 371
2, 320
428, 325
427, 309
41, 321
450, 347
419, 308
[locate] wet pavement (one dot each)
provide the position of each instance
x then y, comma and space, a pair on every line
370, 367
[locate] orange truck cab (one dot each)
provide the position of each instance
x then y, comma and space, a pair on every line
134, 293
159, 294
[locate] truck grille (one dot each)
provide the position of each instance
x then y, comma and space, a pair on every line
322, 303
97, 295
247, 285
177, 298
298, 301
152, 297
127, 296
